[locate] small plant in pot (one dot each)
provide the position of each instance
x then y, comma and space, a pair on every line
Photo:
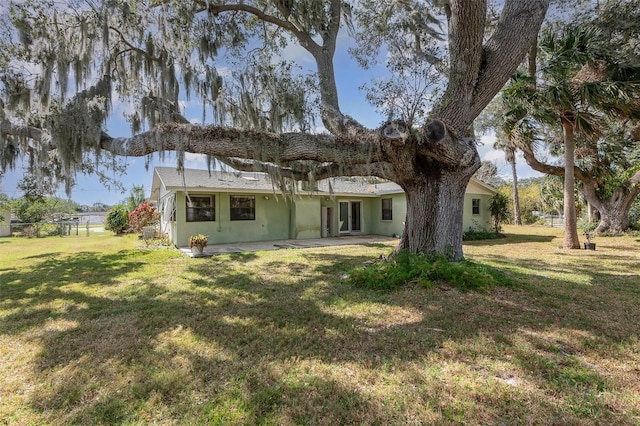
197, 243
589, 232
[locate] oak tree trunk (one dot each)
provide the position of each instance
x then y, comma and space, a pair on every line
614, 220
614, 211
434, 214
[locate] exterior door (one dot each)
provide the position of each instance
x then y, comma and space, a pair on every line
350, 216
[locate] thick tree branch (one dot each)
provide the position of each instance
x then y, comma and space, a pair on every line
340, 124
541, 167
466, 30
240, 7
330, 36
305, 172
27, 132
229, 142
504, 51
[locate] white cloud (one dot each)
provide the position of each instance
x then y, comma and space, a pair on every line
494, 156
295, 53
120, 107
488, 140
195, 160
224, 71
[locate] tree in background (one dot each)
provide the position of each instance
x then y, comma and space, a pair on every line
32, 206
136, 197
117, 220
96, 207
608, 169
488, 173
153, 52
38, 204
580, 85
492, 119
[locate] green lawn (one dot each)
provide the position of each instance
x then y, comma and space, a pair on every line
97, 330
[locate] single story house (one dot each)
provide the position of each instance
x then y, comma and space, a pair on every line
232, 207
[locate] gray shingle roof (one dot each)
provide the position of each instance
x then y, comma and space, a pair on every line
196, 179
219, 181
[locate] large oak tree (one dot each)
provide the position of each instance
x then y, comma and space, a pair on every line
155, 52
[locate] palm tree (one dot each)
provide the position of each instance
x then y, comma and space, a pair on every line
505, 143
576, 88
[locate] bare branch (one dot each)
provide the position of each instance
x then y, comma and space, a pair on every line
131, 47
288, 25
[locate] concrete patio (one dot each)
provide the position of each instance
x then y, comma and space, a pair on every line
214, 249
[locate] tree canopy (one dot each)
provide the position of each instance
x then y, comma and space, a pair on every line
63, 67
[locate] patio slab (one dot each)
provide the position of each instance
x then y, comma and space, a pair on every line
247, 247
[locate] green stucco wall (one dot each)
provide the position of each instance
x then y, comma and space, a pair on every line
399, 213
271, 221
476, 221
276, 219
307, 217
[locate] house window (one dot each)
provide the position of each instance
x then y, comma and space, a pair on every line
387, 210
201, 209
243, 207
475, 206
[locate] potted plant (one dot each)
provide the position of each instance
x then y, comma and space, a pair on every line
589, 232
197, 243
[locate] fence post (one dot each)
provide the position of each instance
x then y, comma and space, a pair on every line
87, 227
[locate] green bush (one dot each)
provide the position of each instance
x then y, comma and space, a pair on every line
407, 268
499, 208
117, 220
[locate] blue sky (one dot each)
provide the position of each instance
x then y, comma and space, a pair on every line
350, 77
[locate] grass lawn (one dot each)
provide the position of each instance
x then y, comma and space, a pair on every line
95, 330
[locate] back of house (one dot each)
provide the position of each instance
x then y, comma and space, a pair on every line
234, 207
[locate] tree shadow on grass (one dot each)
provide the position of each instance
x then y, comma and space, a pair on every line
236, 344
44, 255
512, 239
30, 292
242, 257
